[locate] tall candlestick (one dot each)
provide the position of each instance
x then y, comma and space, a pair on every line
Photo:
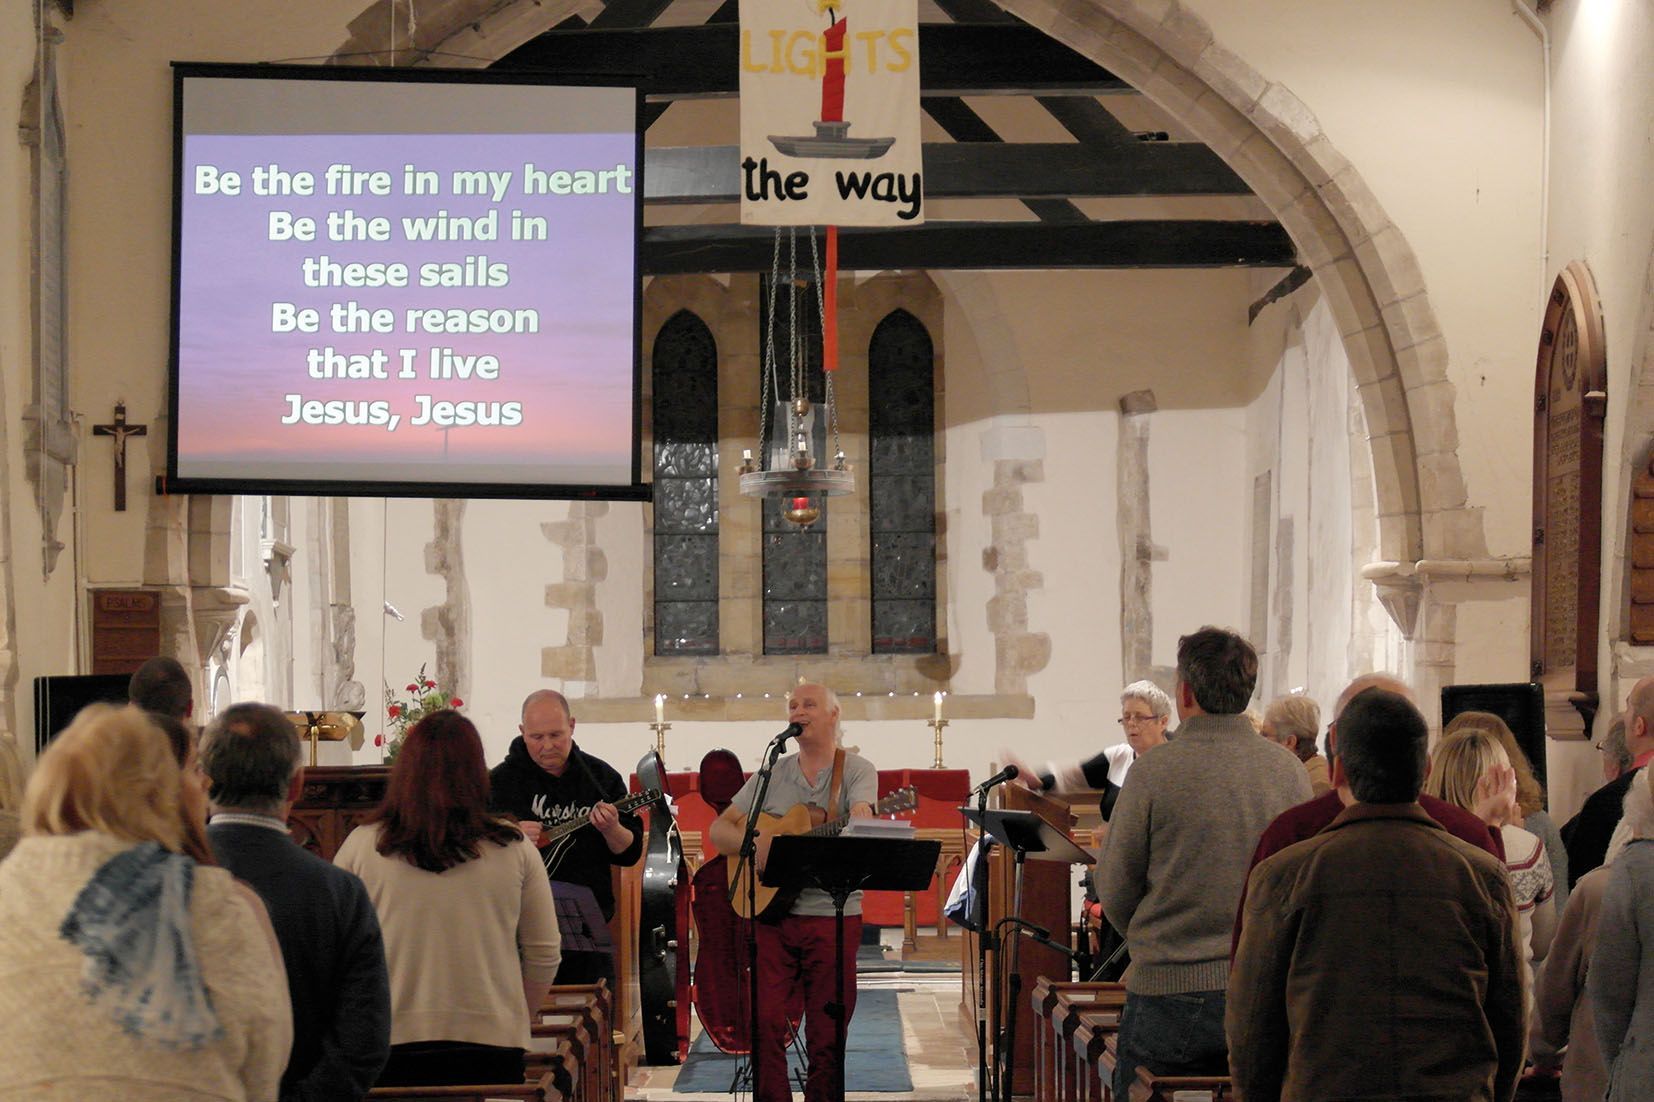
660, 708
938, 701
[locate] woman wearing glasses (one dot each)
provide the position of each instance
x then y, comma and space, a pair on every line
1145, 713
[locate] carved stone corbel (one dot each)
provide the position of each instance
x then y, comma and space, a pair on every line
1399, 591
278, 564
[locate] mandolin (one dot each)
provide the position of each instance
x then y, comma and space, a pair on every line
772, 902
556, 838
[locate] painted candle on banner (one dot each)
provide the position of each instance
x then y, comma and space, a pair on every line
830, 114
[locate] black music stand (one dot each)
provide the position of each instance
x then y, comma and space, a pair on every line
1027, 836
839, 866
588, 948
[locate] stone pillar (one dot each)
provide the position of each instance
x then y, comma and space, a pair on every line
584, 565
448, 625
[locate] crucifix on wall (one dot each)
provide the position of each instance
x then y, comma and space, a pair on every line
120, 430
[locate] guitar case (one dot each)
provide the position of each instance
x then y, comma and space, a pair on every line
663, 970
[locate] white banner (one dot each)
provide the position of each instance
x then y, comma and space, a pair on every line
830, 113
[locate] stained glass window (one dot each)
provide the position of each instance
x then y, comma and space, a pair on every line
902, 485
685, 406
795, 559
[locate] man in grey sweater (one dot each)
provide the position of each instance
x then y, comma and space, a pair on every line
1179, 846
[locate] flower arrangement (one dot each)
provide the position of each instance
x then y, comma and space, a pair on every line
423, 698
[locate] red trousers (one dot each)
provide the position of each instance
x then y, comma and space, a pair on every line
800, 952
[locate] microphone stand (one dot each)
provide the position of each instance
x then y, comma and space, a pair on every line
749, 857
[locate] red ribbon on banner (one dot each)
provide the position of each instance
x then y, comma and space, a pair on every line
829, 307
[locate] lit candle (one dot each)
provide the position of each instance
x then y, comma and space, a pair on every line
832, 81
660, 708
938, 701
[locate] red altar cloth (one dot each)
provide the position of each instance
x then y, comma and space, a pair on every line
941, 792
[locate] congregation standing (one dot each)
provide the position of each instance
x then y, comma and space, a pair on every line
1379, 922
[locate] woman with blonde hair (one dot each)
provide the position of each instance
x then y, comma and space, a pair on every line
1460, 762
1294, 721
1530, 795
128, 970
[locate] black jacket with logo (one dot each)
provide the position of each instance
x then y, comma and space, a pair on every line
520, 788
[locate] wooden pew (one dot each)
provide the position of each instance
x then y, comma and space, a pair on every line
541, 1090
1057, 1008
592, 1005
1164, 1088
1093, 1033
557, 1055
575, 1020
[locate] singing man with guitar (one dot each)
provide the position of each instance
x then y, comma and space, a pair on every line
547, 782
797, 949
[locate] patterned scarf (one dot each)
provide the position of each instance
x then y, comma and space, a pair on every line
132, 921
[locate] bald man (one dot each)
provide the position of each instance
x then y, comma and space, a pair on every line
798, 951
547, 780
1586, 834
1309, 819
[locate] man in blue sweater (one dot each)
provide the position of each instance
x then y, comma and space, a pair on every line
323, 919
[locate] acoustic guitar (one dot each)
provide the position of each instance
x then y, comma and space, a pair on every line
557, 837
771, 902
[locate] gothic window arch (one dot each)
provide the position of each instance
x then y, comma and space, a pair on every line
901, 427
768, 602
684, 376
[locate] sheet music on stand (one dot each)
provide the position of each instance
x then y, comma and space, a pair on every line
580, 923
877, 828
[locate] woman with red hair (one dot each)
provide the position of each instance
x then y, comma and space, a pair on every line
463, 902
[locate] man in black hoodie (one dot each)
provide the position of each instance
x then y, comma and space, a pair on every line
545, 781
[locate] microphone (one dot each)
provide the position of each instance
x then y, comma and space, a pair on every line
793, 731
1009, 773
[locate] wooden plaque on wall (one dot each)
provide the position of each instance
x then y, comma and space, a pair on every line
1570, 401
126, 629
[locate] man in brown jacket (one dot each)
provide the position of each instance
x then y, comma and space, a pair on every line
1378, 958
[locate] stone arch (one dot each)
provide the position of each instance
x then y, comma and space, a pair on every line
1362, 262
251, 677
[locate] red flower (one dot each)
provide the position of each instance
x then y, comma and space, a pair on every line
413, 688
394, 710
429, 684
379, 739
456, 702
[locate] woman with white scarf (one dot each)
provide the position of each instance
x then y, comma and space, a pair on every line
128, 969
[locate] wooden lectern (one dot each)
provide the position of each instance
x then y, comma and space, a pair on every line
1046, 903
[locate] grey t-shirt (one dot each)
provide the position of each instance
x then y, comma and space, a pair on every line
789, 788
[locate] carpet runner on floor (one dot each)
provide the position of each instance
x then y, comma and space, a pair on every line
875, 1060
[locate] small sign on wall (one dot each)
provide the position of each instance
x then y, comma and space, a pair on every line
126, 629
1570, 402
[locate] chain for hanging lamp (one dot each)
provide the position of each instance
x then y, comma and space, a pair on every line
787, 467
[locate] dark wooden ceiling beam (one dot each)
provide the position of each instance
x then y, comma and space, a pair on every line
955, 59
668, 250
975, 11
979, 170
628, 13
1088, 120
961, 123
